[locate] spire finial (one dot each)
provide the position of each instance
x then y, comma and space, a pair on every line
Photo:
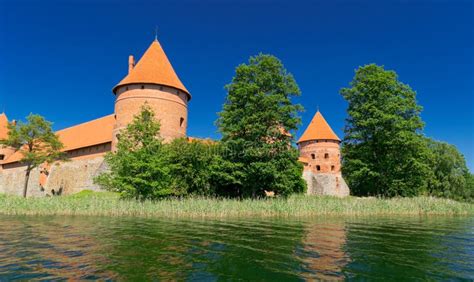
156, 33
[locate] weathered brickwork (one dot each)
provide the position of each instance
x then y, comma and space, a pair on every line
169, 104
323, 155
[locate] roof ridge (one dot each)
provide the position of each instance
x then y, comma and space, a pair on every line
83, 123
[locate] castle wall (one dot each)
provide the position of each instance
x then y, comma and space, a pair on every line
12, 181
70, 177
169, 104
74, 176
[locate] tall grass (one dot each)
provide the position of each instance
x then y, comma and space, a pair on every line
109, 204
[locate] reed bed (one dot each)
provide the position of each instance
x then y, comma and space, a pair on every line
109, 204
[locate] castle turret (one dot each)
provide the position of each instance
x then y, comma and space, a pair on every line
320, 152
5, 151
153, 81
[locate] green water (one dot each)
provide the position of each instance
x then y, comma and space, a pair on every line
404, 248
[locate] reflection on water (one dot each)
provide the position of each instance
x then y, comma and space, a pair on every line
250, 249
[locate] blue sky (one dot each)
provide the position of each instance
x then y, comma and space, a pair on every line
61, 58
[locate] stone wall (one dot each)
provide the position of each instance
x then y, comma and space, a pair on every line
69, 177
12, 181
328, 184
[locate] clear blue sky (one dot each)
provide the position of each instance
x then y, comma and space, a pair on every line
61, 58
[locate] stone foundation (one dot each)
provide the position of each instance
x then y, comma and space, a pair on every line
68, 177
329, 184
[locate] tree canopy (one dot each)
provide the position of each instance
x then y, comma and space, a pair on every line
451, 177
140, 168
256, 121
383, 149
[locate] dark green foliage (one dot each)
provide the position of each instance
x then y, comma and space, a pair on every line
141, 167
451, 177
192, 165
36, 141
384, 153
255, 121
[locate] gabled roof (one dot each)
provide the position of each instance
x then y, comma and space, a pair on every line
3, 126
153, 67
318, 129
86, 134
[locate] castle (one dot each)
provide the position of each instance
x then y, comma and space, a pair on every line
154, 81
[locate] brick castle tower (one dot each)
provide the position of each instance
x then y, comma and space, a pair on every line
5, 151
153, 81
320, 153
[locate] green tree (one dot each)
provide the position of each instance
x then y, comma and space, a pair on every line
140, 168
255, 122
192, 165
37, 143
450, 173
384, 152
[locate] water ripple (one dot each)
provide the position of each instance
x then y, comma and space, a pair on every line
77, 248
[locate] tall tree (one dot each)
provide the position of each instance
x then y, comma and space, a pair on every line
37, 143
256, 121
140, 168
384, 152
450, 173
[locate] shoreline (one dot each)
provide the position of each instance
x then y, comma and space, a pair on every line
88, 203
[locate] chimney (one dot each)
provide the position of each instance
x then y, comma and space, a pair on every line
131, 63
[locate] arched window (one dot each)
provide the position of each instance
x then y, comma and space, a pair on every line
332, 168
143, 86
318, 168
313, 156
181, 122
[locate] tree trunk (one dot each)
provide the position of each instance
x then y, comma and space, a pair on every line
27, 178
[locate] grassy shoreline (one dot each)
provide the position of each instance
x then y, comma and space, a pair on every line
108, 204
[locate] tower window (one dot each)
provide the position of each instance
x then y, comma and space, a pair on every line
181, 122
313, 156
143, 86
126, 88
2, 157
332, 168
318, 168
326, 156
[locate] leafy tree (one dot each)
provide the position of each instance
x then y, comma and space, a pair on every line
140, 168
37, 143
255, 123
192, 165
450, 174
384, 152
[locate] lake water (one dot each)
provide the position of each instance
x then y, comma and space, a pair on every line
249, 249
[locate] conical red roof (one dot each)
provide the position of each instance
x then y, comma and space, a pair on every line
318, 129
3, 126
153, 67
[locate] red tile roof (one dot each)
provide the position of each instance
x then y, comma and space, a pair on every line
154, 67
318, 129
86, 134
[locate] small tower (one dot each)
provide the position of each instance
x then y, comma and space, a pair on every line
153, 81
5, 151
321, 155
